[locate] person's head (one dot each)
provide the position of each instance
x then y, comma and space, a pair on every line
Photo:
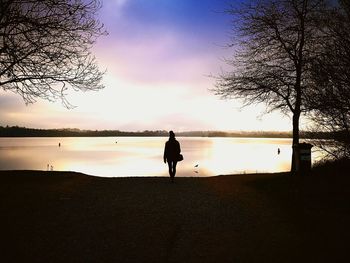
171, 135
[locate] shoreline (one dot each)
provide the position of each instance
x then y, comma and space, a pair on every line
66, 216
54, 172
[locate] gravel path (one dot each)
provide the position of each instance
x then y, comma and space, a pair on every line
70, 217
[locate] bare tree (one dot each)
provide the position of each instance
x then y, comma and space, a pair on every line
274, 42
329, 98
45, 47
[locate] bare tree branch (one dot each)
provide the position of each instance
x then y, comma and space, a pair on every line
45, 47
275, 43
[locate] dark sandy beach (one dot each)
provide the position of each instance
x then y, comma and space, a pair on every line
71, 217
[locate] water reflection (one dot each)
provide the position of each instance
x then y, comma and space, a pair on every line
143, 156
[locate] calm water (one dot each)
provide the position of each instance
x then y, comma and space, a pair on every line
143, 156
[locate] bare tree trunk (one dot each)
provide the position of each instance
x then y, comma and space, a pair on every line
297, 107
296, 117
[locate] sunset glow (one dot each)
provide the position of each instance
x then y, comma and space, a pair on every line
159, 56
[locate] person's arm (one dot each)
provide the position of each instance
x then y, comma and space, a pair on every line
165, 151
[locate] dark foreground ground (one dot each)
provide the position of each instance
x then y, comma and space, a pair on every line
70, 217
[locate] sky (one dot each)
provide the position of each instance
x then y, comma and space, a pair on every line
159, 57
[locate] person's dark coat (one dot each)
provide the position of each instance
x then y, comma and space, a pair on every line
172, 150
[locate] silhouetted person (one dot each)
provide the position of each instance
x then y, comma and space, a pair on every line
172, 151
278, 151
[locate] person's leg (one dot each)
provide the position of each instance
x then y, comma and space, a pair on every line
170, 168
174, 168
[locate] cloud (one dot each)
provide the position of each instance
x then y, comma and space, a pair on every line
120, 3
159, 58
9, 101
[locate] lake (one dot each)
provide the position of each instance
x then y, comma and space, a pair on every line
143, 156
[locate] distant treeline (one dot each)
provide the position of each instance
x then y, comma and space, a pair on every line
16, 131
